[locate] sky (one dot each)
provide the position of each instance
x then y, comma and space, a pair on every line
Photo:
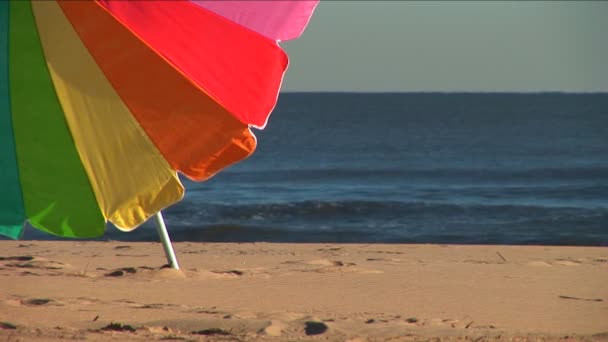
514, 46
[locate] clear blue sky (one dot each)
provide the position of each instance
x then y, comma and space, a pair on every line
452, 46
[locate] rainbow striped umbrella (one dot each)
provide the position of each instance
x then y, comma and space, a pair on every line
103, 102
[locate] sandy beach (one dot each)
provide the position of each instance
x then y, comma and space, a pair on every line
52, 291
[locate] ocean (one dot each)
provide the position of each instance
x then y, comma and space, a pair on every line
446, 168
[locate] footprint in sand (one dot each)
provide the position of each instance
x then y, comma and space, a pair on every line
560, 262
333, 251
567, 262
206, 274
122, 247
391, 261
121, 272
486, 262
582, 299
17, 258
383, 252
145, 273
38, 301
538, 263
228, 274
21, 302
86, 301
328, 266
339, 266
326, 262
31, 262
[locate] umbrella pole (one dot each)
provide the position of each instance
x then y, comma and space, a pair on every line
164, 238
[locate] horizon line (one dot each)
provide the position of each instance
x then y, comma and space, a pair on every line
523, 92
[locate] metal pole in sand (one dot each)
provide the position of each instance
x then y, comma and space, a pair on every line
164, 239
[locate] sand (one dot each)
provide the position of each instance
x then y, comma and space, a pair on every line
54, 291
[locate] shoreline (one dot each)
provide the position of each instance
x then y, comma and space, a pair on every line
54, 290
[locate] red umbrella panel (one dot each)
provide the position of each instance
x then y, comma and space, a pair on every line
103, 102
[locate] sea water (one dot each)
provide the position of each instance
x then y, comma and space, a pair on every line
488, 168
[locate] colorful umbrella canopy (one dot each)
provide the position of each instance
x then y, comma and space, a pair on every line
103, 102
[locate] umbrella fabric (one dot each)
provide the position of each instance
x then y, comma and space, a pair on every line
276, 19
102, 102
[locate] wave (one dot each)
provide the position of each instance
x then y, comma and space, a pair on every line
261, 175
392, 222
354, 207
352, 221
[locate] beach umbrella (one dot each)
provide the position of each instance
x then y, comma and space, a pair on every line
103, 102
